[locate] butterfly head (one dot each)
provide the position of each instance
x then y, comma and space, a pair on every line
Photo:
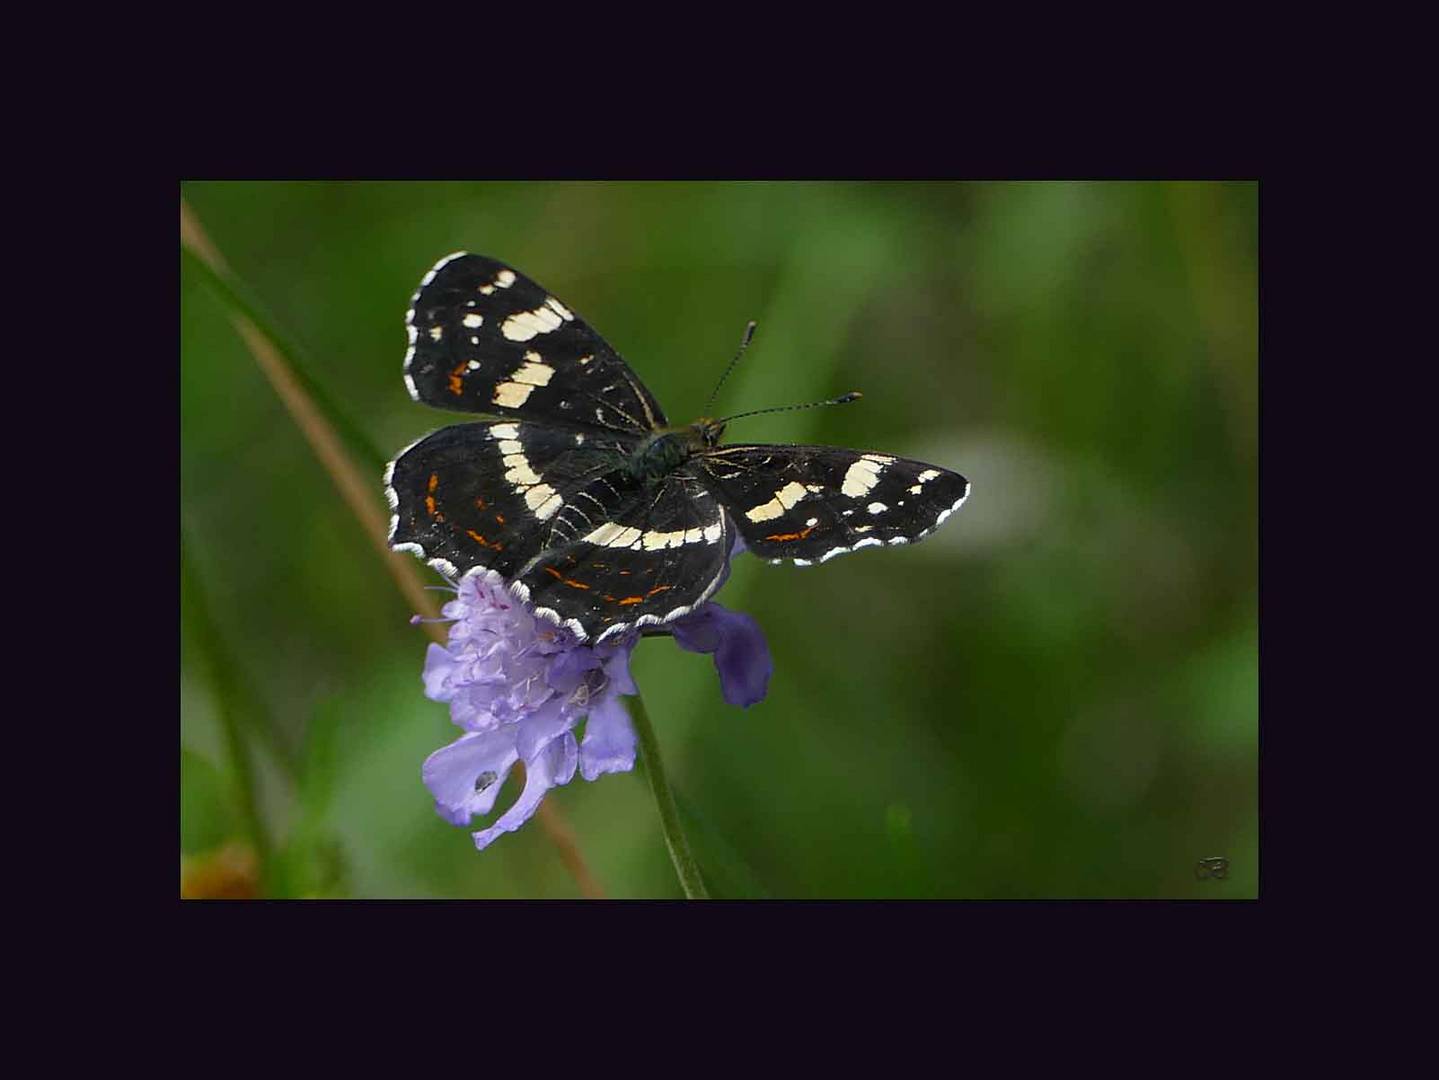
706, 433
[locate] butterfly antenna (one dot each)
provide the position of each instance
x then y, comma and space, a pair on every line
743, 345
843, 399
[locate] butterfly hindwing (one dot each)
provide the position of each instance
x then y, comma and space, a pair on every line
485, 338
661, 550
809, 504
495, 494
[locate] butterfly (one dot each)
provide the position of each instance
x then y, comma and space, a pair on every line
581, 497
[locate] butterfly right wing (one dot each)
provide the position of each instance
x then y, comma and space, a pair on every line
485, 338
809, 504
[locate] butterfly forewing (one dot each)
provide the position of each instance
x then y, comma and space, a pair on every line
812, 503
485, 338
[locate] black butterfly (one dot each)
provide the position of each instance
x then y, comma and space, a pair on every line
581, 497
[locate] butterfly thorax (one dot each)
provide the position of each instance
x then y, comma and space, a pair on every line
665, 451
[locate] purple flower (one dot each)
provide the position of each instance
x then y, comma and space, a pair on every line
518, 686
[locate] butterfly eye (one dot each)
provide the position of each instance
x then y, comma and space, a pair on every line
710, 431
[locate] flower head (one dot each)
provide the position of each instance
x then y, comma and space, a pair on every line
518, 686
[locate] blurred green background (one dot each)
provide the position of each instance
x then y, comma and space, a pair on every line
1053, 696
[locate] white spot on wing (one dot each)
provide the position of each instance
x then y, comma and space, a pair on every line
543, 500
784, 499
520, 473
528, 324
473, 321
512, 394
533, 374
876, 508
612, 535
862, 476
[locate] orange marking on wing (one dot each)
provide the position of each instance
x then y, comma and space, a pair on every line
658, 588
571, 582
792, 536
430, 506
434, 483
494, 545
481, 503
457, 384
500, 517
633, 600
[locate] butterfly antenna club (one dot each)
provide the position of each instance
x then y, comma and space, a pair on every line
743, 345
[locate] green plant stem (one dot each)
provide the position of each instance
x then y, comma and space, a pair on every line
226, 692
685, 866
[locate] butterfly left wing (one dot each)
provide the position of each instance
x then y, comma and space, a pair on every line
809, 504
493, 495
485, 338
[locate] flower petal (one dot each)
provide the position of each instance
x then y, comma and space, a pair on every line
609, 744
453, 773
741, 655
543, 726
554, 765
439, 673
617, 670
567, 669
